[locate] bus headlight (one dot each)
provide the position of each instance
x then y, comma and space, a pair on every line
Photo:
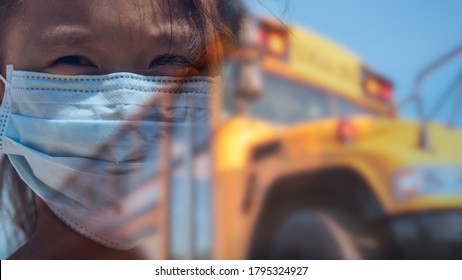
424, 181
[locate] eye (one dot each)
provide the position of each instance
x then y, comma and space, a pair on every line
171, 60
173, 65
73, 60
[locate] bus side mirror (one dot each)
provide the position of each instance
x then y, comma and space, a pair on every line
247, 62
248, 75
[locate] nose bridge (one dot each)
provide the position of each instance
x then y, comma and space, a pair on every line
121, 59
123, 48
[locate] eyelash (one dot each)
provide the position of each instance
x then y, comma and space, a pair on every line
76, 60
171, 59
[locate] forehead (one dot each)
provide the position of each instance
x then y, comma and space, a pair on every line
131, 16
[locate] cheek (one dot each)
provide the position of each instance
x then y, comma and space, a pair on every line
14, 48
12, 52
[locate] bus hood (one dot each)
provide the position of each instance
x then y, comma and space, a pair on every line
401, 138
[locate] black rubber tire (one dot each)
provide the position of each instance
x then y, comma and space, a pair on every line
321, 234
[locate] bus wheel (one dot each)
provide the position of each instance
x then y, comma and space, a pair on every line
321, 234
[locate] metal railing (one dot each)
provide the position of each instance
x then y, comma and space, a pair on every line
416, 96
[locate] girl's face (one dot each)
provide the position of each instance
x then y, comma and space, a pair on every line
99, 37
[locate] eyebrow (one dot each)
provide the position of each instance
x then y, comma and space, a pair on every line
64, 36
70, 35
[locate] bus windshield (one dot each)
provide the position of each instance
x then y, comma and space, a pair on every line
287, 102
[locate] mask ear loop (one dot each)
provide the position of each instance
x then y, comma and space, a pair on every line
5, 82
9, 71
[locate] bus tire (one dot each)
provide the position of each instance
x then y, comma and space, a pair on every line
321, 234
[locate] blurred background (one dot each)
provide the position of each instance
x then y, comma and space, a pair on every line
339, 133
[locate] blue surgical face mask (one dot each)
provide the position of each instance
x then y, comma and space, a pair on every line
95, 148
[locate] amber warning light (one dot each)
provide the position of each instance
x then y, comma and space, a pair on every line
274, 40
346, 131
378, 88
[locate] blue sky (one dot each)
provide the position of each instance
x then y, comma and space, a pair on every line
395, 37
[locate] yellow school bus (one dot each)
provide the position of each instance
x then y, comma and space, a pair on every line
319, 165
310, 160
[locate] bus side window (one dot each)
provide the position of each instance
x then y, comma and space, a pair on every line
346, 108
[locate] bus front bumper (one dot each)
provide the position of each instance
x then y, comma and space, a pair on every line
429, 235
